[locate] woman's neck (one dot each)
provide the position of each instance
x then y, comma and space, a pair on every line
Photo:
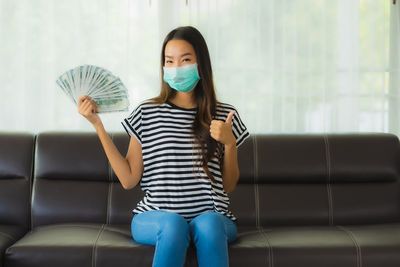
184, 100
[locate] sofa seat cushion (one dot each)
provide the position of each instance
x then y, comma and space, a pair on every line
9, 234
328, 246
55, 245
111, 245
115, 248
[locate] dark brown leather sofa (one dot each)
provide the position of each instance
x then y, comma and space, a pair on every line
302, 201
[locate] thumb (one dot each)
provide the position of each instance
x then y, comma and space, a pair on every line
229, 118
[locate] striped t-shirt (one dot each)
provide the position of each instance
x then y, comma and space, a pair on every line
173, 178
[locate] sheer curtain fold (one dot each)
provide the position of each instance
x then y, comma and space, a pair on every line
289, 66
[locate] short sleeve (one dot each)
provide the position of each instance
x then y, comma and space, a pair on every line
239, 129
133, 124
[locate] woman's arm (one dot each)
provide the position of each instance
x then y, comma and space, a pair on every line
128, 169
222, 132
230, 174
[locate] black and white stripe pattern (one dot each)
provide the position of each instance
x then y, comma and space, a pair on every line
173, 179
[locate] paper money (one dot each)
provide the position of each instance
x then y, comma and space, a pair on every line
106, 89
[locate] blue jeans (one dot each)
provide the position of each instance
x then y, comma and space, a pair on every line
171, 234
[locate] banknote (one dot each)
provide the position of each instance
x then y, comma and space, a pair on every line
106, 89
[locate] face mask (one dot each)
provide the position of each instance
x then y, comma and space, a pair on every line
182, 79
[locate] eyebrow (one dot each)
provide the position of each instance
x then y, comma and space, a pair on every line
185, 54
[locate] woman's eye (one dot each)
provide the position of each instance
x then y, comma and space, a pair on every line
168, 61
187, 59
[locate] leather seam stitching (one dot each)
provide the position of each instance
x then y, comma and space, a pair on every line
353, 238
33, 167
94, 250
328, 184
65, 225
270, 249
256, 192
32, 186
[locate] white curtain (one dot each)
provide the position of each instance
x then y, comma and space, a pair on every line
289, 66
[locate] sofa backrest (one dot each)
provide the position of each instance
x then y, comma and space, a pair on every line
73, 181
317, 179
16, 165
310, 179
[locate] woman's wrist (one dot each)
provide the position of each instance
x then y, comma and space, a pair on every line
98, 125
230, 146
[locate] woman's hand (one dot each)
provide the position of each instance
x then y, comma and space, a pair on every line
88, 109
222, 130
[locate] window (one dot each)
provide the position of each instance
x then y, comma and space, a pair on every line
288, 66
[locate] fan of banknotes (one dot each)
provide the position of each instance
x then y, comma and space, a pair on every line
101, 85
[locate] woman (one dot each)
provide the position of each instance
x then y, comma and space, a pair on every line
183, 150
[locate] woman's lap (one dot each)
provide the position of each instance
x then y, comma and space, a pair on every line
171, 234
146, 225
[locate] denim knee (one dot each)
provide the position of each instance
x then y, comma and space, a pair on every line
208, 225
156, 225
174, 228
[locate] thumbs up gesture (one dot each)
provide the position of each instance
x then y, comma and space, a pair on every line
222, 130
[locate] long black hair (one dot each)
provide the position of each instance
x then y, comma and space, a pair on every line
204, 92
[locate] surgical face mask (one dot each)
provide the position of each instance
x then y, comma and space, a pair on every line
182, 79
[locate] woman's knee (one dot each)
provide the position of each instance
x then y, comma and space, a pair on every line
174, 226
150, 226
144, 228
209, 225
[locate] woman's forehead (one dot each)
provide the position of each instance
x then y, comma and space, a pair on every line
178, 48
